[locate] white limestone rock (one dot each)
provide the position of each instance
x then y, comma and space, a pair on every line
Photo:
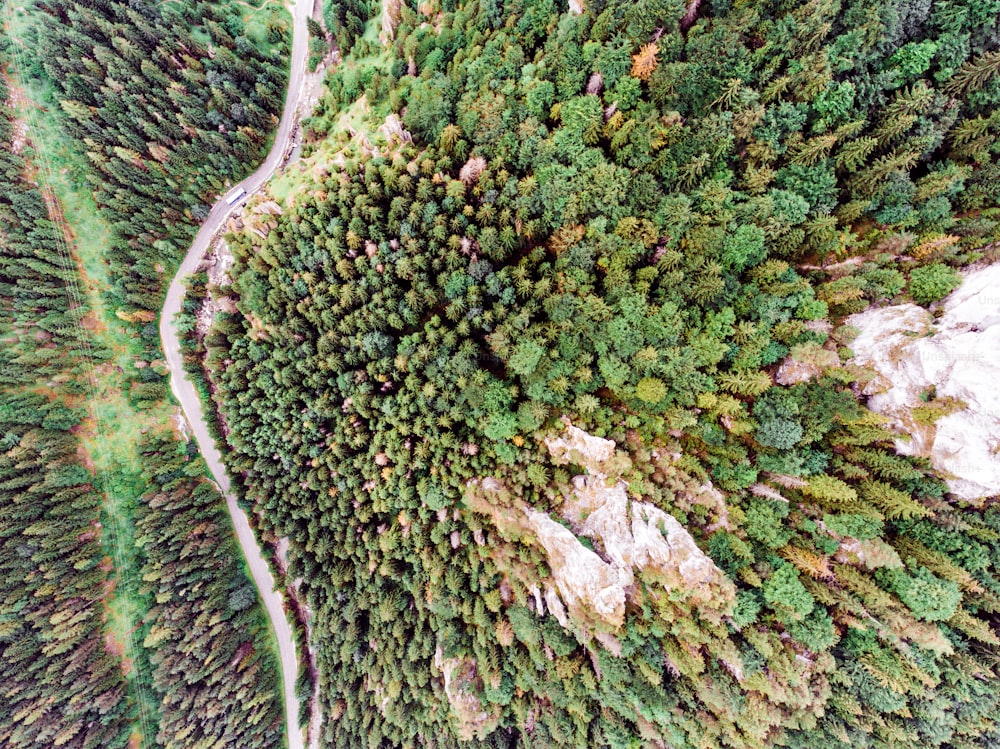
663, 545
268, 207
585, 582
391, 13
590, 586
634, 536
556, 607
959, 355
394, 131
576, 446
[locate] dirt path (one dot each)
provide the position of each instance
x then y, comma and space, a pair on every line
188, 397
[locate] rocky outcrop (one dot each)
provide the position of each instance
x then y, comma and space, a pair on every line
633, 536
218, 263
394, 131
260, 217
462, 686
600, 545
805, 363
585, 582
391, 13
576, 446
937, 380
268, 207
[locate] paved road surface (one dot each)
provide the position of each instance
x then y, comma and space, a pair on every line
188, 397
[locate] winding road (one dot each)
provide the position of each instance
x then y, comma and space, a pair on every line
188, 396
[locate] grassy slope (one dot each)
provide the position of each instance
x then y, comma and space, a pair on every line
357, 117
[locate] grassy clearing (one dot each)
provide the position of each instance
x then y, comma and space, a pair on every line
372, 28
117, 427
257, 16
359, 118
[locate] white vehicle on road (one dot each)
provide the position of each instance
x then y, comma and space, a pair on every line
236, 196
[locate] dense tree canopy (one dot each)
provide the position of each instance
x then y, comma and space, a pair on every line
617, 216
170, 103
58, 682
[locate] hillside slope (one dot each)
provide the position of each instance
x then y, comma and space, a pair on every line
623, 216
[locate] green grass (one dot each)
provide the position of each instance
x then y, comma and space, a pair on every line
360, 116
257, 16
372, 28
116, 428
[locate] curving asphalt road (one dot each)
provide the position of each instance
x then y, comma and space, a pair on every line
188, 397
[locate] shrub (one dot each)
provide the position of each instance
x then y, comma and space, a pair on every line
785, 592
933, 282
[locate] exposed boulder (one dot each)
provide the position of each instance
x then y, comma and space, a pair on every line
937, 380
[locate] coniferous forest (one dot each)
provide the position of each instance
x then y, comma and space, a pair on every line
533, 255
626, 215
60, 686
126, 617
170, 104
